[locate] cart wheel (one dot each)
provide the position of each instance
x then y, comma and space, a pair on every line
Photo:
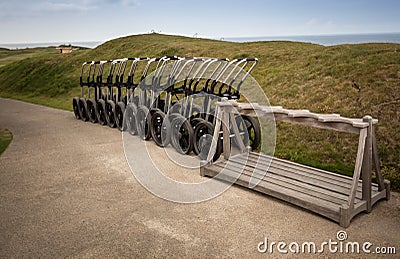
142, 122
83, 112
92, 110
194, 122
182, 135
249, 129
211, 116
203, 135
75, 106
130, 119
136, 100
176, 108
119, 116
110, 109
160, 128
101, 112
196, 111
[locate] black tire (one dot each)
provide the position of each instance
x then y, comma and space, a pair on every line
130, 119
182, 135
101, 112
160, 128
250, 131
175, 108
194, 122
75, 106
83, 112
92, 110
136, 100
202, 140
196, 111
143, 122
119, 116
110, 109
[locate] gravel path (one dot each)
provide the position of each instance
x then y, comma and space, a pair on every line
67, 190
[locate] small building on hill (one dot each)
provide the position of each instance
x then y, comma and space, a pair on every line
64, 49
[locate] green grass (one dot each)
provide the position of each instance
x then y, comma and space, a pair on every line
9, 56
293, 75
5, 139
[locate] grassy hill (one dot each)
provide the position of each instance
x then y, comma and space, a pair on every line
293, 75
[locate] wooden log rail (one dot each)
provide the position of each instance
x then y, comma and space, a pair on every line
334, 196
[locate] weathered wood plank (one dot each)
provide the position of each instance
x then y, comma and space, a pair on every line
217, 127
357, 168
300, 177
329, 125
297, 173
237, 133
325, 208
306, 188
366, 169
226, 141
376, 196
310, 171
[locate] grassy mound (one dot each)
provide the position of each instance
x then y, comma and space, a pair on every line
352, 80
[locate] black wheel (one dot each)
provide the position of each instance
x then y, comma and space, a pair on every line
101, 112
182, 135
176, 108
119, 116
92, 110
211, 116
250, 131
136, 100
83, 112
194, 122
110, 109
75, 106
143, 122
130, 119
196, 111
160, 128
202, 139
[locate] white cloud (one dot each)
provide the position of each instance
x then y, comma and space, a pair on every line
57, 6
312, 22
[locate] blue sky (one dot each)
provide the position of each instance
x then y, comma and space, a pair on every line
25, 21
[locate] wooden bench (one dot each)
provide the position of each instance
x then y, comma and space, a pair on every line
332, 195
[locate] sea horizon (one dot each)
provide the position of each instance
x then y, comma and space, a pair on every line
322, 39
326, 39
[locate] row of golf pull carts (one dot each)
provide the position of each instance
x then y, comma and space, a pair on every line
193, 104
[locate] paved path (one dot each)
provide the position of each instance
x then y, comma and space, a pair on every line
66, 190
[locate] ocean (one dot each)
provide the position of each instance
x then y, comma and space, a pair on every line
328, 40
325, 40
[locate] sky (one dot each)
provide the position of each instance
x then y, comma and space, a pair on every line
33, 21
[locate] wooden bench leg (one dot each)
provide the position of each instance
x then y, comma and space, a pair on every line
344, 216
366, 170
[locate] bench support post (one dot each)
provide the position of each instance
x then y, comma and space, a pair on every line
366, 170
357, 168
